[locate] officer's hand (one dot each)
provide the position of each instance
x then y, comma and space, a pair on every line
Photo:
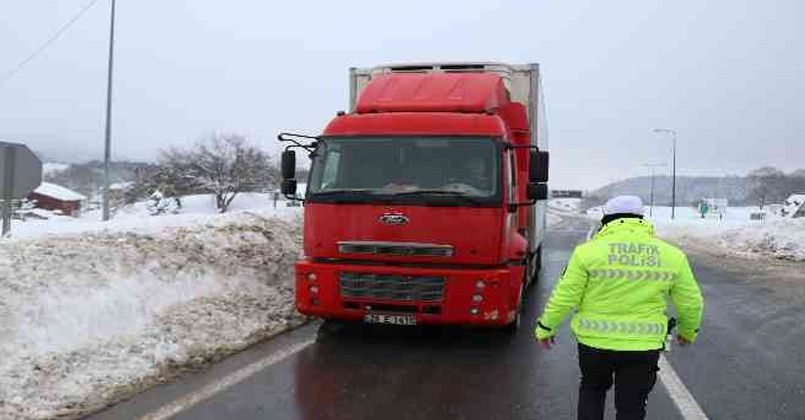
682, 341
547, 343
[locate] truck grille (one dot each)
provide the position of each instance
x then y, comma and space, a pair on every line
391, 287
395, 249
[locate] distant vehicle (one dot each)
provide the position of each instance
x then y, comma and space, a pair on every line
425, 203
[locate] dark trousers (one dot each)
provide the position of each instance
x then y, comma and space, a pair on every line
634, 372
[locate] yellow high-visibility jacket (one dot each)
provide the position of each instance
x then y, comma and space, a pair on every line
619, 282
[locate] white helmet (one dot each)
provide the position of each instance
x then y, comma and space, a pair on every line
624, 204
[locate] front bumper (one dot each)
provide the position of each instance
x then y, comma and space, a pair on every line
319, 293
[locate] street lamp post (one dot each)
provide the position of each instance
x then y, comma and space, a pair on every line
108, 132
673, 166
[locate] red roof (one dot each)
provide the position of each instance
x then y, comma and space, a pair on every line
417, 123
433, 92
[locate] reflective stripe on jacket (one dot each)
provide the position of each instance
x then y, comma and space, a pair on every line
619, 282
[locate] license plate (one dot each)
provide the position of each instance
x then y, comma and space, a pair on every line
390, 319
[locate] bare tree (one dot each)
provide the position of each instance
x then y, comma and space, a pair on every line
773, 185
220, 165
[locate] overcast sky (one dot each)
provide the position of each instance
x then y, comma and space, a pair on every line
728, 75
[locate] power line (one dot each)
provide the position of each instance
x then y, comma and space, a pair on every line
13, 72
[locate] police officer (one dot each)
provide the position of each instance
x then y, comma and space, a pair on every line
618, 282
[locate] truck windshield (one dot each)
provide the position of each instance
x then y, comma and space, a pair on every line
427, 170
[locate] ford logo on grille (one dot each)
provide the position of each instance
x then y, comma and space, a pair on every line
394, 219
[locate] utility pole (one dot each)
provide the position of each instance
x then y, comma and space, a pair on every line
10, 158
651, 167
673, 166
107, 153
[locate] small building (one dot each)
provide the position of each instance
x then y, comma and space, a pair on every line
57, 199
794, 207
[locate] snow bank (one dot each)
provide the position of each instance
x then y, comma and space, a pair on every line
88, 319
780, 238
736, 233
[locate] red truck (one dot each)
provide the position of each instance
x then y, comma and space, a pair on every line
425, 203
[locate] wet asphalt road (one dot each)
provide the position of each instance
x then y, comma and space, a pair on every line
741, 368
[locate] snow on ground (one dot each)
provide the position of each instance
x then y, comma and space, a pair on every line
775, 237
89, 318
564, 205
196, 210
558, 208
49, 168
552, 219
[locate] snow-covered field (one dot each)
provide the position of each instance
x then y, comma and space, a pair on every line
735, 234
196, 210
91, 312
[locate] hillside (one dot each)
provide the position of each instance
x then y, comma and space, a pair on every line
688, 189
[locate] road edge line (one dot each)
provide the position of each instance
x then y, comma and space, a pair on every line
680, 395
189, 400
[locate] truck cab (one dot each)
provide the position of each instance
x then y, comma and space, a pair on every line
425, 203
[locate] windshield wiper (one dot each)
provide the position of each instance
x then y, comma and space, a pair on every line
348, 196
457, 194
345, 192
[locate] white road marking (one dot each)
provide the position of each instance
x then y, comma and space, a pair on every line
173, 408
683, 399
590, 233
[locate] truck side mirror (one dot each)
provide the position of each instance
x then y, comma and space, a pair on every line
289, 165
538, 166
288, 186
537, 191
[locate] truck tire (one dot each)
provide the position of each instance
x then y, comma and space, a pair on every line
514, 326
538, 262
534, 264
328, 328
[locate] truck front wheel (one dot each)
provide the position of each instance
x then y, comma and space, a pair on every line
514, 326
329, 327
534, 266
